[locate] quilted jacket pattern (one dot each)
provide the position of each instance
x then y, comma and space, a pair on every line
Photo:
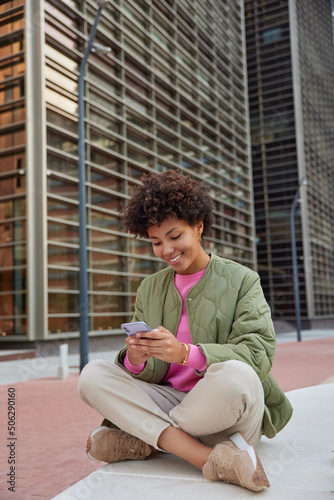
229, 318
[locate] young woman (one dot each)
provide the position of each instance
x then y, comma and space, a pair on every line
198, 385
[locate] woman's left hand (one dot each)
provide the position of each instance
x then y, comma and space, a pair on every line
160, 343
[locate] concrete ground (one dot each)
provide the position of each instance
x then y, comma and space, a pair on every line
299, 464
52, 426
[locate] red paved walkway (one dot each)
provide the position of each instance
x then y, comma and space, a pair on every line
53, 424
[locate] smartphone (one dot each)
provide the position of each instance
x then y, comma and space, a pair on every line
135, 327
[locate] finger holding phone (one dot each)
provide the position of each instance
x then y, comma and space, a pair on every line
160, 343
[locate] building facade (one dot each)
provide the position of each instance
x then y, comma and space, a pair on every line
290, 75
170, 94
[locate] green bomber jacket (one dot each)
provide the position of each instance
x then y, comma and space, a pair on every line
228, 317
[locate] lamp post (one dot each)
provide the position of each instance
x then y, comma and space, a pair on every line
294, 258
83, 287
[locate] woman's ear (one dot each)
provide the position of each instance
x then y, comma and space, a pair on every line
200, 227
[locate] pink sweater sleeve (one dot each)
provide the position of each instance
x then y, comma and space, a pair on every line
135, 369
196, 358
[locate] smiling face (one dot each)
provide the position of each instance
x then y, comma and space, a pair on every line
178, 244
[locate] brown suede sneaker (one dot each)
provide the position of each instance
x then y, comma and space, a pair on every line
113, 445
237, 464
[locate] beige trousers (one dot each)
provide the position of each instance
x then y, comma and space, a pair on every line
228, 399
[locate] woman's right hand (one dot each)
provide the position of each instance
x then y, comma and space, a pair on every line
135, 356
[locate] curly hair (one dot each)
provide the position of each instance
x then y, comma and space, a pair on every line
165, 195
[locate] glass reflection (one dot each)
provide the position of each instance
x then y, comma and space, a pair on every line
62, 256
60, 325
63, 279
108, 322
106, 261
60, 187
61, 210
105, 221
63, 302
107, 283
66, 233
101, 239
108, 303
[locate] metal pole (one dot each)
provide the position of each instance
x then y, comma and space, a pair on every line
294, 260
83, 286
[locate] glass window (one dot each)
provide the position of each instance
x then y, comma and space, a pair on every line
62, 188
102, 239
11, 90
63, 256
13, 326
12, 231
102, 139
12, 208
106, 83
139, 246
61, 303
167, 154
107, 181
62, 120
139, 157
12, 279
169, 139
62, 164
136, 33
105, 160
141, 139
136, 49
136, 15
272, 35
139, 266
62, 142
109, 322
138, 121
108, 303
61, 210
167, 121
62, 279
105, 221
63, 324
13, 304
136, 103
101, 118
164, 73
104, 200
107, 282
66, 233
105, 101
106, 261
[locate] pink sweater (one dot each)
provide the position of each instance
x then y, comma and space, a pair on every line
182, 378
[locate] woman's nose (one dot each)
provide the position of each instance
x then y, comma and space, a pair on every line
167, 249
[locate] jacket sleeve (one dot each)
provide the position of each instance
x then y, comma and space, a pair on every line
252, 337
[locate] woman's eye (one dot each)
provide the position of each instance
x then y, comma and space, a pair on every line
176, 237
156, 244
